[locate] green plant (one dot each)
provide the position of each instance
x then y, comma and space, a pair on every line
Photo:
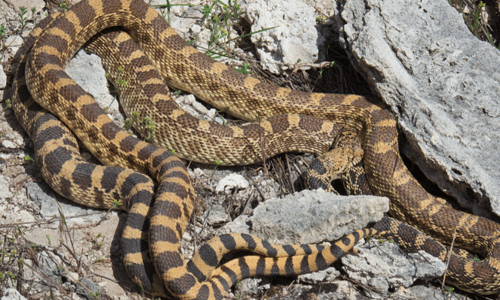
244, 68
8, 104
2, 31
476, 18
22, 17
146, 123
63, 5
118, 85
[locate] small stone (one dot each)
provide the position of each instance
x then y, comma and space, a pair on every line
200, 107
231, 182
4, 188
8, 144
3, 78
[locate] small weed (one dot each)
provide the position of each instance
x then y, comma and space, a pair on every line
63, 5
8, 104
244, 68
22, 17
28, 158
476, 18
2, 32
146, 123
224, 122
449, 289
33, 11
118, 85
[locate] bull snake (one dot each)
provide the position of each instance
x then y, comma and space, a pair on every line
240, 95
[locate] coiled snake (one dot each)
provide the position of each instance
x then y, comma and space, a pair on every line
190, 138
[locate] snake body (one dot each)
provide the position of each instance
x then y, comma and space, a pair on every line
289, 127
41, 75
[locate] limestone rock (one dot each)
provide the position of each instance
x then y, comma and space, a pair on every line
384, 265
312, 217
443, 84
295, 38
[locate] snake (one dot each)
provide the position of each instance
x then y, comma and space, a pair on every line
285, 121
48, 103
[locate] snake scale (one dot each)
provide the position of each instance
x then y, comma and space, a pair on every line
289, 127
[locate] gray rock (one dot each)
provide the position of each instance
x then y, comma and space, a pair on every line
89, 287
428, 293
295, 38
312, 217
12, 294
443, 84
4, 188
50, 205
87, 71
384, 265
217, 215
3, 78
317, 277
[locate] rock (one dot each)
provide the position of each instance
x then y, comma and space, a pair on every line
37, 4
217, 215
4, 188
311, 217
295, 38
49, 206
428, 293
14, 42
8, 144
231, 182
87, 71
384, 265
317, 277
95, 289
439, 79
3, 78
12, 294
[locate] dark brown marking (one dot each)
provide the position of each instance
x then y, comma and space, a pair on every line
131, 181
138, 8
244, 268
174, 42
145, 153
310, 124
85, 13
320, 262
271, 251
208, 255
201, 61
193, 269
289, 267
109, 178
250, 241
181, 285
203, 293
304, 265
82, 176
54, 41
279, 123
169, 209
109, 131
92, 111
54, 160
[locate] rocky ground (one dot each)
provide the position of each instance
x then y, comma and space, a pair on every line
53, 249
